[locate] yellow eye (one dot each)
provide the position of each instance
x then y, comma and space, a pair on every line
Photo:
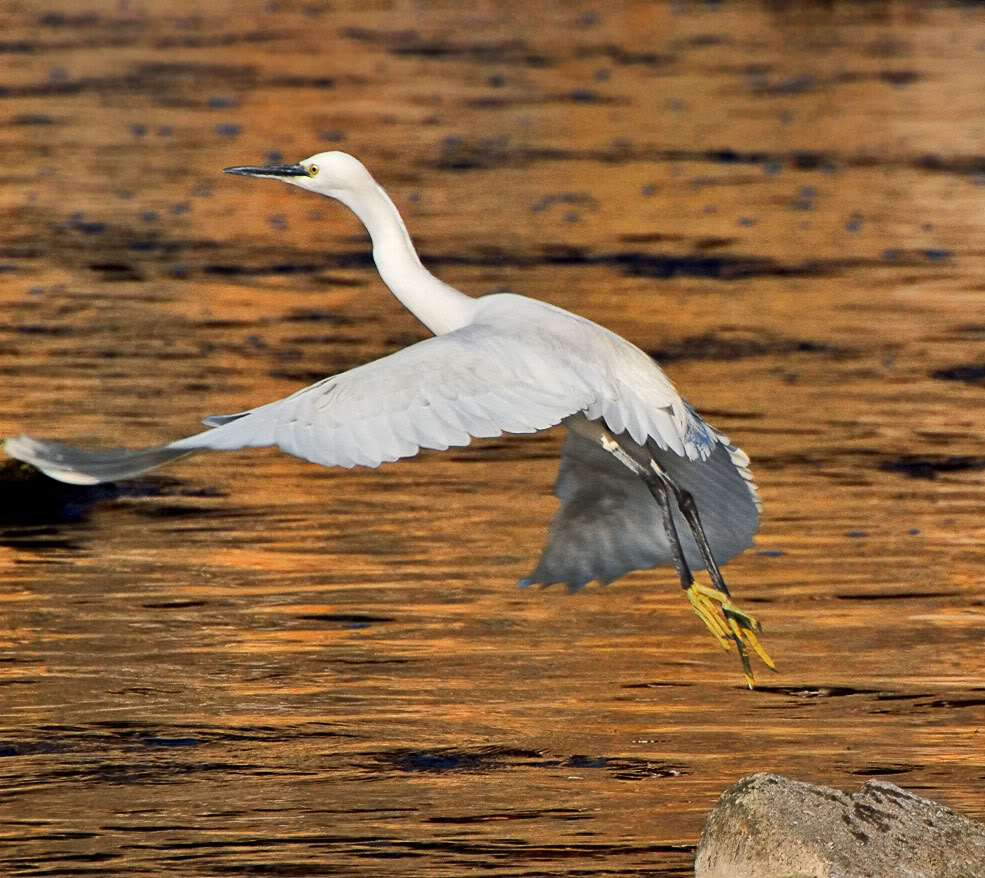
312, 170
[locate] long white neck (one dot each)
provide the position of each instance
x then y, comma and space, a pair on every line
440, 307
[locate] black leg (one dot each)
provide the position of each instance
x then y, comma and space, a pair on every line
689, 509
661, 493
737, 626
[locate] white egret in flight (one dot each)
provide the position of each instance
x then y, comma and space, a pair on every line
637, 466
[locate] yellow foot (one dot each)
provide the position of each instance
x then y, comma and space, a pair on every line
733, 626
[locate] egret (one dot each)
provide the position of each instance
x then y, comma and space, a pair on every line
637, 465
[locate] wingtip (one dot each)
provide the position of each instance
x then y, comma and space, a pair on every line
43, 456
18, 446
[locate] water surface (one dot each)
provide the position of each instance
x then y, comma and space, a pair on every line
250, 665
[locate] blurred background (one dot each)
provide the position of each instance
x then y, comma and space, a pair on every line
247, 664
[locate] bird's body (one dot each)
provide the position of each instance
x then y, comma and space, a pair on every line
500, 363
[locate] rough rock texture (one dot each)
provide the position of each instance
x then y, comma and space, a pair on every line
766, 826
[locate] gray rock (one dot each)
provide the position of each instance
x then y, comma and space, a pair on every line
767, 826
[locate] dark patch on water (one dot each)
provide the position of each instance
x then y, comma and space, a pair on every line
442, 760
63, 19
345, 619
46, 329
928, 466
323, 340
127, 730
316, 82
18, 47
280, 268
738, 345
963, 165
954, 703
297, 376
174, 605
496, 816
816, 692
41, 540
719, 267
575, 96
900, 78
311, 315
120, 737
489, 759
514, 449
463, 155
116, 271
970, 373
165, 80
760, 83
624, 768
157, 741
154, 771
8, 749
638, 263
31, 498
626, 57
411, 43
225, 323
883, 770
32, 119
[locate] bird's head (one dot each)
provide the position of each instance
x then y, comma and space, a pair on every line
328, 173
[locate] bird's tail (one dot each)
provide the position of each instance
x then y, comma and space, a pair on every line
77, 466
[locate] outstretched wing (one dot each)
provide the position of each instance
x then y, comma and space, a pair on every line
522, 366
474, 382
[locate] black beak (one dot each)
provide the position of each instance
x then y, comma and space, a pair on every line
268, 171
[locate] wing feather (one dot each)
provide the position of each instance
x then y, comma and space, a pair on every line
522, 366
435, 394
608, 523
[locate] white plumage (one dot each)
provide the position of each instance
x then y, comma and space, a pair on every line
501, 363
